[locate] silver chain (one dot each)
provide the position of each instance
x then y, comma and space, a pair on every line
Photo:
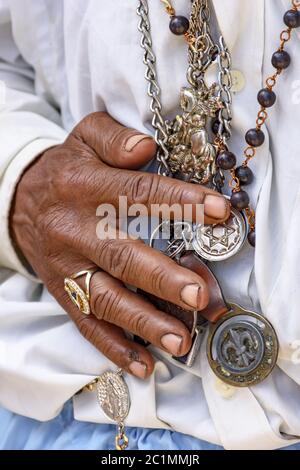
201, 52
201, 55
154, 91
224, 94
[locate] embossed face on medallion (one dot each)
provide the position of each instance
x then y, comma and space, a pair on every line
113, 396
220, 242
242, 348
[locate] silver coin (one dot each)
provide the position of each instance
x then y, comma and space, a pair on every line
113, 396
221, 242
242, 348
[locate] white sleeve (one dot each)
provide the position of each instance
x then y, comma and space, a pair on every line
28, 126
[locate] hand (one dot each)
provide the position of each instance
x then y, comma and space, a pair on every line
54, 222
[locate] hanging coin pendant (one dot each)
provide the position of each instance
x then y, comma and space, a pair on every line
221, 242
113, 396
242, 348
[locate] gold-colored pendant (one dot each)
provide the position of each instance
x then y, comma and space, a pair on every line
192, 156
242, 348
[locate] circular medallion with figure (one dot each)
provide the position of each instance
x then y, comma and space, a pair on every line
242, 348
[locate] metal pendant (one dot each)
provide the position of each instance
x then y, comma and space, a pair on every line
221, 242
191, 156
210, 242
242, 348
113, 396
173, 238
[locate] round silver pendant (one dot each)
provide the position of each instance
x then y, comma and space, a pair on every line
242, 348
173, 237
220, 242
113, 396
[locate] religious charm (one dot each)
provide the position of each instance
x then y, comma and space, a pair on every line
210, 242
114, 399
242, 348
191, 156
173, 238
220, 242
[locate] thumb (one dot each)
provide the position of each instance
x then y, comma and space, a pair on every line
116, 145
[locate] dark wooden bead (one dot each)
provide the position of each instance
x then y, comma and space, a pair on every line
179, 25
255, 137
245, 175
266, 98
252, 238
240, 200
292, 18
281, 60
226, 160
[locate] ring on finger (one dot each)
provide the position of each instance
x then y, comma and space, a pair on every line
79, 297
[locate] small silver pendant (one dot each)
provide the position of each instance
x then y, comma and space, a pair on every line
221, 242
242, 348
113, 396
211, 242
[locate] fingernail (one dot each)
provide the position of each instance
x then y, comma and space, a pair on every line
139, 369
172, 343
215, 206
134, 140
192, 296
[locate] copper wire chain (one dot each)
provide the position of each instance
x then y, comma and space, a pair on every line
262, 116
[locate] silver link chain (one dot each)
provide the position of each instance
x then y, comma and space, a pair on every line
225, 85
202, 51
201, 55
154, 91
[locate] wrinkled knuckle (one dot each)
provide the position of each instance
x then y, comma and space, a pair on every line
105, 304
173, 194
118, 258
143, 188
158, 280
87, 121
139, 324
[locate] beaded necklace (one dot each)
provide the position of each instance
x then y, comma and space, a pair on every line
242, 346
242, 176
186, 152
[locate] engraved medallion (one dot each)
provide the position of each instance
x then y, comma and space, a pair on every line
220, 242
113, 396
242, 348
210, 242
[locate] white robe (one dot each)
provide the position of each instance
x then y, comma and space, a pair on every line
82, 56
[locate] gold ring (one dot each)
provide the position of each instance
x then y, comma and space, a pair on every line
80, 298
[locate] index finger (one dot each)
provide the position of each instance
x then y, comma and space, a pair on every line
106, 185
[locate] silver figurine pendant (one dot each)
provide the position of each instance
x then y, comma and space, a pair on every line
242, 348
191, 156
